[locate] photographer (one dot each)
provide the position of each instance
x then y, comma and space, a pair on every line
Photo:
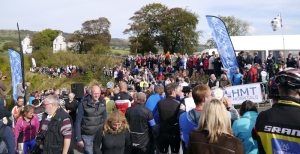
56, 129
2, 86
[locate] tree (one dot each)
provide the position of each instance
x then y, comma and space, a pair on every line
210, 43
178, 31
100, 49
144, 27
173, 29
92, 33
235, 26
11, 45
44, 39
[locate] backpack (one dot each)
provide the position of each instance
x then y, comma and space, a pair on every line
3, 142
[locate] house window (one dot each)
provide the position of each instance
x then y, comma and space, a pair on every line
60, 46
56, 40
54, 46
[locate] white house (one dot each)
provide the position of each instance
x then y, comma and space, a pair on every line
60, 44
26, 45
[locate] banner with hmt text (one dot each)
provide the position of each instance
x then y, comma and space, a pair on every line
238, 94
223, 44
16, 70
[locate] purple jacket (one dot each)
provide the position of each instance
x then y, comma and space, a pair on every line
29, 129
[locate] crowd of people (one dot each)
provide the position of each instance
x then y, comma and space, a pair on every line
154, 107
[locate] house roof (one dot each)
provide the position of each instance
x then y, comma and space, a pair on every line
267, 42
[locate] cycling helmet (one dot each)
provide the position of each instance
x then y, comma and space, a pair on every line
289, 78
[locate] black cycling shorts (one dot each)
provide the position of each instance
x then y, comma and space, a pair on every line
166, 140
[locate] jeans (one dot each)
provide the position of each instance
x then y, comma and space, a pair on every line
88, 143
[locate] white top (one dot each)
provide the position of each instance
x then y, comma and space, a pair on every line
189, 104
115, 74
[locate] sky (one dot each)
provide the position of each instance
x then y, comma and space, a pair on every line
68, 15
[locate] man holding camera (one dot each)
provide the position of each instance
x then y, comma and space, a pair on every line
2, 86
56, 129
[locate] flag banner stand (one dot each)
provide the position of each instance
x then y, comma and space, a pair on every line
223, 43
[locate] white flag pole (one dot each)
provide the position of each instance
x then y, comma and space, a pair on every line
282, 32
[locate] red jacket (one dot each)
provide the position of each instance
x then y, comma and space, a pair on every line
205, 64
190, 62
160, 77
253, 71
195, 61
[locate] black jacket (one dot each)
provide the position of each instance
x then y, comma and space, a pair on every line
140, 121
72, 107
54, 141
279, 127
93, 116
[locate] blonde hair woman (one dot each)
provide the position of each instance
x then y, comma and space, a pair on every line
214, 134
116, 136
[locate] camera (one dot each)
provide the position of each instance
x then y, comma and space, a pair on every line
36, 149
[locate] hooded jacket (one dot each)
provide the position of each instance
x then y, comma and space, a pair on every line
242, 129
26, 131
188, 121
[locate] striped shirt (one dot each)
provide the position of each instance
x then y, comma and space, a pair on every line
66, 128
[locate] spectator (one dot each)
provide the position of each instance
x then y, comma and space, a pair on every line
211, 67
110, 104
26, 129
241, 61
291, 62
283, 117
224, 82
2, 86
160, 76
116, 136
16, 110
123, 100
39, 110
280, 58
141, 123
257, 59
213, 83
169, 133
72, 106
7, 119
7, 134
249, 59
187, 103
188, 121
217, 65
237, 78
31, 98
89, 120
20, 89
214, 134
242, 128
232, 112
55, 118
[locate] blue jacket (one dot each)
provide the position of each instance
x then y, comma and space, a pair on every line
151, 104
188, 121
242, 129
236, 79
9, 137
